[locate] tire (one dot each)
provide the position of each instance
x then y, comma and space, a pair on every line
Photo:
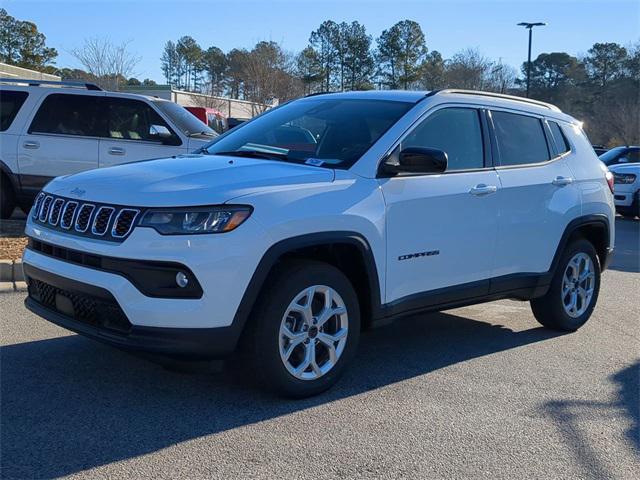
553, 310
26, 207
7, 198
265, 345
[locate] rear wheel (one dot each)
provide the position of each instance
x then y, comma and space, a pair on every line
304, 330
7, 198
573, 291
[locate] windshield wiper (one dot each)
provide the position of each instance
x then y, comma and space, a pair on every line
254, 154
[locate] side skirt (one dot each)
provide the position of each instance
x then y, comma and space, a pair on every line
522, 286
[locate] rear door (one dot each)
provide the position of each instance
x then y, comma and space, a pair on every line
537, 195
135, 131
62, 138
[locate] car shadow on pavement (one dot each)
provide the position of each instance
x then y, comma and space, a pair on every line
627, 249
567, 414
70, 404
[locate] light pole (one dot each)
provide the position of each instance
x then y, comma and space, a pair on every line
529, 26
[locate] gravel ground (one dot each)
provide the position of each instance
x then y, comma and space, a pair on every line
478, 392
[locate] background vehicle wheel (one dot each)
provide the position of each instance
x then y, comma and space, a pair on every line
304, 330
574, 289
7, 198
26, 207
628, 212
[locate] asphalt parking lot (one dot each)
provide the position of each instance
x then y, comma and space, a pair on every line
478, 392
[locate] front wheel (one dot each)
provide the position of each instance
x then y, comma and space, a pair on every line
573, 291
304, 330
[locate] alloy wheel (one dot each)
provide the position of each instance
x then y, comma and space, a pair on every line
313, 332
578, 285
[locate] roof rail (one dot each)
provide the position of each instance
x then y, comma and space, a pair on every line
500, 95
61, 83
318, 93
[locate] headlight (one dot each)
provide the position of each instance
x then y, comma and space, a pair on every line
624, 178
195, 220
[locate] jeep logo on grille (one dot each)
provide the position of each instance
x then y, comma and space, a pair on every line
78, 192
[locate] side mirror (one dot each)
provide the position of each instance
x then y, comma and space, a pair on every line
417, 160
159, 131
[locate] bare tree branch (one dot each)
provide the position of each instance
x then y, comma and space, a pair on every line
110, 63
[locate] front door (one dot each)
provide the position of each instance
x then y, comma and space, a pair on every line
135, 131
441, 229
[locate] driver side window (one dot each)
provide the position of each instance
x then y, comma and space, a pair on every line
133, 120
457, 132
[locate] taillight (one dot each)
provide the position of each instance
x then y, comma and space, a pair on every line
609, 176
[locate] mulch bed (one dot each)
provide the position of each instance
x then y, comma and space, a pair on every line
12, 239
11, 248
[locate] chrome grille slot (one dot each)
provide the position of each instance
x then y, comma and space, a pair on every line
38, 205
55, 210
108, 222
44, 211
124, 222
84, 216
68, 213
101, 220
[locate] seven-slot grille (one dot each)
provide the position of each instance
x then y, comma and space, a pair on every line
110, 222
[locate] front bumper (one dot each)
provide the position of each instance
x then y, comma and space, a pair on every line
222, 264
93, 312
207, 324
625, 197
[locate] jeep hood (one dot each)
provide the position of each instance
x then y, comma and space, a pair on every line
185, 180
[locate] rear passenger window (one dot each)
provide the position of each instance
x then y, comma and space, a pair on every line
520, 138
455, 131
67, 114
10, 103
562, 146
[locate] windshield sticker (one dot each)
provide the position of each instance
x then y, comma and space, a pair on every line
316, 162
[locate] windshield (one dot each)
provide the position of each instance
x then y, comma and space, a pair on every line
326, 132
188, 123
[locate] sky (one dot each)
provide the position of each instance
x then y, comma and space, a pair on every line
449, 26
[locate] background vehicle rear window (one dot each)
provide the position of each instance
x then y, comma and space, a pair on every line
67, 114
10, 103
520, 138
455, 131
562, 146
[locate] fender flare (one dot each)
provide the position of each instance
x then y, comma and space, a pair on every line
599, 220
283, 247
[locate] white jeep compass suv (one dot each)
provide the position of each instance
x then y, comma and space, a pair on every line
289, 234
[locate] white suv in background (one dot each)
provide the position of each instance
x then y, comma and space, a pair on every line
329, 214
626, 177
49, 129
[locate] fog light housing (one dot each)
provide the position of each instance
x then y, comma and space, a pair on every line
182, 280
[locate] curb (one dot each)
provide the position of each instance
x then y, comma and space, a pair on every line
12, 276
